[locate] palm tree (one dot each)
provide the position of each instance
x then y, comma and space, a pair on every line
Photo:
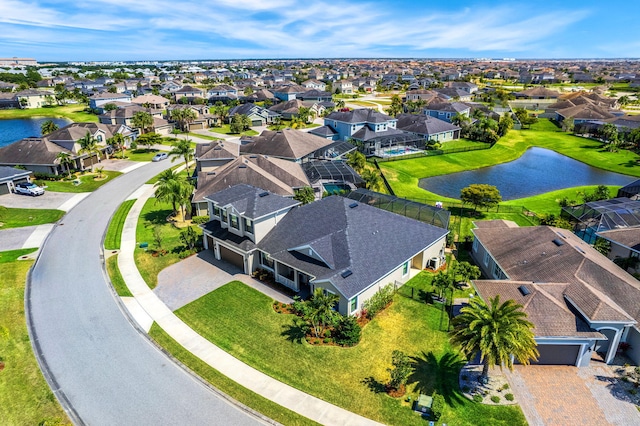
117, 143
183, 116
372, 179
89, 145
321, 311
48, 127
142, 120
65, 160
182, 148
497, 332
168, 188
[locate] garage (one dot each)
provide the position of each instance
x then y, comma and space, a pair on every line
4, 188
558, 354
232, 257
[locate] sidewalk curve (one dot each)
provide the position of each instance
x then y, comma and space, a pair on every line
278, 392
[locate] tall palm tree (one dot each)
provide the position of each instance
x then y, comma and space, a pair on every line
48, 127
372, 179
89, 146
495, 331
321, 311
182, 148
142, 120
168, 188
117, 143
65, 160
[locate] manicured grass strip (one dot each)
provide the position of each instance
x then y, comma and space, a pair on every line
405, 174
88, 183
114, 232
242, 321
13, 255
141, 154
548, 203
154, 179
226, 130
201, 136
116, 278
226, 385
72, 112
155, 215
25, 397
17, 218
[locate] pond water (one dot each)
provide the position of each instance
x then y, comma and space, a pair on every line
18, 128
537, 171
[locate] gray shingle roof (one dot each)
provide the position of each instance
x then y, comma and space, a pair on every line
368, 241
250, 201
9, 173
361, 115
424, 124
287, 143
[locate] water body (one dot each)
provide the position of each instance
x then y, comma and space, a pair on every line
537, 171
18, 128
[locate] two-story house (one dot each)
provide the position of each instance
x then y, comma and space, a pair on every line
97, 101
446, 110
342, 246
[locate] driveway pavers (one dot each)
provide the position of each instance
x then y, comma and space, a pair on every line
566, 395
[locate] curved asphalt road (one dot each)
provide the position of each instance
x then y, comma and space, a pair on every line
102, 368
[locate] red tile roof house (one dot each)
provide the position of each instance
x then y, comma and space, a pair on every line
579, 301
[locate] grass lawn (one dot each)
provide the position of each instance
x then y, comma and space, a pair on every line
226, 130
73, 112
226, 385
198, 135
89, 183
16, 218
405, 174
286, 124
548, 203
116, 278
242, 321
114, 232
25, 397
155, 215
141, 154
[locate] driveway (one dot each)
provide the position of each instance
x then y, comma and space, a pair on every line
195, 276
119, 165
48, 200
565, 395
24, 237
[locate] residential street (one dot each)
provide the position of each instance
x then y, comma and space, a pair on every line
101, 366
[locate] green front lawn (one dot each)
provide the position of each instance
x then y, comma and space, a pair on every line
405, 174
88, 182
226, 130
141, 154
75, 112
114, 232
207, 137
17, 218
242, 321
149, 262
25, 396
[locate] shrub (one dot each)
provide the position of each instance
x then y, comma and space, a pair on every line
348, 331
197, 220
379, 301
299, 306
47, 176
401, 369
327, 333
509, 397
495, 399
326, 340
437, 406
477, 398
185, 253
505, 386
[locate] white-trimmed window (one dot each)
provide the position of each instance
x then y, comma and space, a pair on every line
248, 225
266, 260
216, 211
496, 271
224, 216
486, 259
354, 304
235, 223
405, 269
475, 245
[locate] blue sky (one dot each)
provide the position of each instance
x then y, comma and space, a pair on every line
60, 30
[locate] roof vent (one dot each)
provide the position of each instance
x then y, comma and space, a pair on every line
346, 273
524, 290
263, 194
558, 242
579, 249
253, 156
353, 205
242, 166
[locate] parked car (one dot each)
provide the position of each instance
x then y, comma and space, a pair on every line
29, 189
160, 156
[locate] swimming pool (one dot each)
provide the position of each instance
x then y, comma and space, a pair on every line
399, 151
335, 188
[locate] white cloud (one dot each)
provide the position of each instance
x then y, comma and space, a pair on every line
274, 28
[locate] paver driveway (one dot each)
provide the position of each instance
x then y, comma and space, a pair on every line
564, 395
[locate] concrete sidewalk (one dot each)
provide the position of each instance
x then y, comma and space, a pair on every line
278, 392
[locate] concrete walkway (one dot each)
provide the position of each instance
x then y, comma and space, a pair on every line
154, 309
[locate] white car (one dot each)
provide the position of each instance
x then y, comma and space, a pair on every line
160, 156
27, 188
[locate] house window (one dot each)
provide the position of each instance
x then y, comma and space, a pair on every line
475, 245
354, 304
216, 211
405, 269
224, 216
235, 223
486, 258
248, 225
266, 260
496, 271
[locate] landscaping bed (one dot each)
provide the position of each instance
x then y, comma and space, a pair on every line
81, 182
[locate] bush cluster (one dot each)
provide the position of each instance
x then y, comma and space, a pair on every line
437, 406
198, 220
378, 301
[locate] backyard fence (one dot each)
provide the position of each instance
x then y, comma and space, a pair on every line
435, 152
384, 178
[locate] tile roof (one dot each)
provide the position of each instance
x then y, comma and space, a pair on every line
217, 150
287, 143
348, 235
